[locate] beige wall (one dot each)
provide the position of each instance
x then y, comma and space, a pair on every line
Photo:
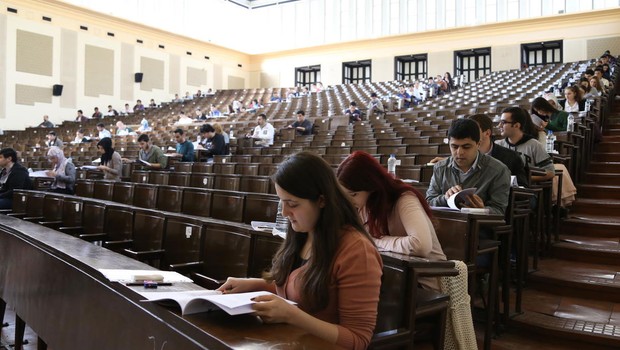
73, 55
579, 32
585, 35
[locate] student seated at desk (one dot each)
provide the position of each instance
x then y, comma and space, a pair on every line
111, 162
395, 214
327, 263
184, 149
151, 154
63, 172
12, 177
214, 144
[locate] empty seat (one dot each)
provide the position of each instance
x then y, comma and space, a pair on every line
169, 198
260, 207
123, 192
227, 206
196, 202
103, 190
145, 195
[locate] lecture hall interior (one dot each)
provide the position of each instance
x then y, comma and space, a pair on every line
135, 163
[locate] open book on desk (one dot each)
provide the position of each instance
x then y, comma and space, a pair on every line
144, 162
459, 201
193, 302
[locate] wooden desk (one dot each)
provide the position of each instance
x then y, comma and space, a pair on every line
51, 280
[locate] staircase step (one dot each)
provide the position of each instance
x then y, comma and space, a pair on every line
606, 157
577, 279
612, 179
588, 249
592, 225
608, 146
582, 321
576, 331
612, 132
598, 191
604, 167
593, 206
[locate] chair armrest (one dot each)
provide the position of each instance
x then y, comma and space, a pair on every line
50, 224
118, 245
390, 339
5, 211
145, 255
93, 237
17, 215
71, 230
34, 219
206, 282
186, 268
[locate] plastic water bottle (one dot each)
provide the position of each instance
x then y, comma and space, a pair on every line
281, 221
392, 165
570, 123
550, 142
231, 134
587, 106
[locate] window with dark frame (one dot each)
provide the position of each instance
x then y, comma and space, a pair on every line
473, 63
356, 72
308, 75
542, 53
410, 67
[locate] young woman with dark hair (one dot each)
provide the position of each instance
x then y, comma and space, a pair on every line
111, 162
327, 263
396, 214
553, 119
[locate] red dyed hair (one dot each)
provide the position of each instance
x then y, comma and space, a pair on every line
362, 172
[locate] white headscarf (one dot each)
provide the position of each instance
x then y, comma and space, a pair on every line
61, 164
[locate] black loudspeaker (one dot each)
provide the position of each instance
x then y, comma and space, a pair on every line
56, 90
138, 77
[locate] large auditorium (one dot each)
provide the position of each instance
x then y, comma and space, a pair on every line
309, 174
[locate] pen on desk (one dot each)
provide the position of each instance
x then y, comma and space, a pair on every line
138, 284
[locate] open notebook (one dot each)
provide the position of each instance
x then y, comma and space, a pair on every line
192, 302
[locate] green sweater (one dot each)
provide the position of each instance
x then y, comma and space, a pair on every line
558, 121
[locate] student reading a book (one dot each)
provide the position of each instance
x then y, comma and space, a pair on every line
553, 119
151, 155
63, 171
396, 214
328, 263
467, 167
111, 162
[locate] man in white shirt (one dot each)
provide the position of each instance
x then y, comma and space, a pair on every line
263, 132
102, 131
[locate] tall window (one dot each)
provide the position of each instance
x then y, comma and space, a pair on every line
410, 67
539, 54
305, 76
356, 72
473, 63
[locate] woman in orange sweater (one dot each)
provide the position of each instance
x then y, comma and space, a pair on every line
328, 263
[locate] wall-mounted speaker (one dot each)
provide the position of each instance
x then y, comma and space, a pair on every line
138, 77
57, 90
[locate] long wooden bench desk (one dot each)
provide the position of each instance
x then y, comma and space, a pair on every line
51, 280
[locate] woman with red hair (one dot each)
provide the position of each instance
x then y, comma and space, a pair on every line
395, 214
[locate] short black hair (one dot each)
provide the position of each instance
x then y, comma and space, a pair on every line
353, 104
207, 128
52, 133
263, 115
374, 94
9, 152
589, 72
143, 137
464, 128
80, 111
179, 131
301, 112
101, 125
